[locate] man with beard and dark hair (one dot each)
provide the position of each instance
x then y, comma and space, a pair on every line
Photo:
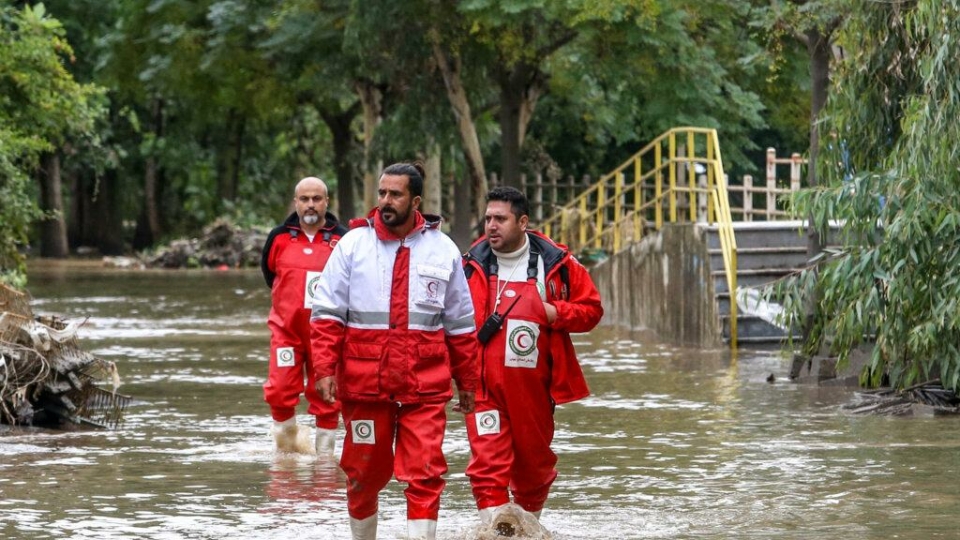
392, 324
293, 258
529, 294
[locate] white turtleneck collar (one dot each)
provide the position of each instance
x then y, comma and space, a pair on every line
512, 267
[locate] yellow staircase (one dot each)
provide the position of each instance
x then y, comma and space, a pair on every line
676, 178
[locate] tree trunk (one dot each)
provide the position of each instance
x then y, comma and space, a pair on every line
228, 177
107, 227
457, 95
432, 202
462, 232
148, 224
819, 49
79, 218
237, 169
339, 125
520, 88
53, 228
371, 99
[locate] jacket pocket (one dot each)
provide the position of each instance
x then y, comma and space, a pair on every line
433, 368
361, 368
431, 286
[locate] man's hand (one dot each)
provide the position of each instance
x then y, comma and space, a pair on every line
327, 388
466, 402
551, 312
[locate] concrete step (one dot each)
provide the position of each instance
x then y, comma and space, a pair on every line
756, 329
763, 257
750, 278
755, 234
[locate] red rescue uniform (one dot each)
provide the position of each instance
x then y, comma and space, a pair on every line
291, 265
394, 323
527, 367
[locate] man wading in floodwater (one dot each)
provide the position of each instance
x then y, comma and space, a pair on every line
529, 294
293, 258
392, 324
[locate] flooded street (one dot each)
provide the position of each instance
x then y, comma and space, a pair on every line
673, 443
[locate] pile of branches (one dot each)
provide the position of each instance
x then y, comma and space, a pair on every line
45, 377
887, 401
222, 244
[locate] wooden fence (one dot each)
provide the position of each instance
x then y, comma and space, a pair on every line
750, 199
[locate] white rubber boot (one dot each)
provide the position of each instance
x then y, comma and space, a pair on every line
364, 529
486, 514
421, 529
285, 434
326, 442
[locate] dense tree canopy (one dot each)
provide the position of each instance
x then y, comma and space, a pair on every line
891, 174
42, 108
217, 107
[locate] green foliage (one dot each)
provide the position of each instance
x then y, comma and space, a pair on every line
893, 178
41, 106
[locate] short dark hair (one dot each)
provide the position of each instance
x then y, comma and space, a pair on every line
519, 204
413, 172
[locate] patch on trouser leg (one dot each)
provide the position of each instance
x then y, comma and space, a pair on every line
285, 357
511, 521
488, 422
362, 432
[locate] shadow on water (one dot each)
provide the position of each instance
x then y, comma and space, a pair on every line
673, 443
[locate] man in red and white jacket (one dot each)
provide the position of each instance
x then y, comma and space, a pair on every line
392, 325
529, 293
293, 258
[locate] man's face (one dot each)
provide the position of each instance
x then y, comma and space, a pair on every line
396, 204
503, 229
311, 202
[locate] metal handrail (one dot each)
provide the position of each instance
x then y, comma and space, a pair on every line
615, 204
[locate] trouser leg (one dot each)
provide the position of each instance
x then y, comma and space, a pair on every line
489, 432
420, 461
367, 458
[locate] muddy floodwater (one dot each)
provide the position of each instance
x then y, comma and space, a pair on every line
673, 443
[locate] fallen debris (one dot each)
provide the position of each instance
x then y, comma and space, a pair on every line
223, 244
925, 399
45, 377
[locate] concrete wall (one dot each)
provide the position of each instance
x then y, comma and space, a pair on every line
663, 283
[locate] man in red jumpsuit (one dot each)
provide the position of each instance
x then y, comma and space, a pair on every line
293, 258
392, 325
529, 294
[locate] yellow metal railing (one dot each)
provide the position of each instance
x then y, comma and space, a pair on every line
615, 211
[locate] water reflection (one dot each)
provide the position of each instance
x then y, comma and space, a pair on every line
673, 443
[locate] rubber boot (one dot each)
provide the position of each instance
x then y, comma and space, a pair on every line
421, 529
486, 514
326, 442
364, 529
285, 434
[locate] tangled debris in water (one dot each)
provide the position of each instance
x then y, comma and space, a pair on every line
45, 377
927, 398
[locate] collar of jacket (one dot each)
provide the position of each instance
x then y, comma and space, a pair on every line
551, 252
422, 223
293, 223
